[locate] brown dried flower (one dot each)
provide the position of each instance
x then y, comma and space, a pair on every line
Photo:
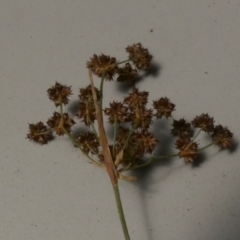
144, 141
163, 107
204, 122
131, 154
58, 122
222, 136
136, 98
122, 135
141, 117
116, 110
88, 142
139, 56
86, 94
187, 149
103, 65
59, 94
126, 73
39, 133
181, 128
86, 112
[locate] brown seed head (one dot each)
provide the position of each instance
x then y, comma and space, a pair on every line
139, 56
58, 122
117, 111
163, 107
136, 98
126, 73
86, 112
88, 142
103, 65
187, 149
39, 133
59, 94
204, 122
222, 136
122, 135
131, 155
141, 117
181, 128
144, 140
86, 94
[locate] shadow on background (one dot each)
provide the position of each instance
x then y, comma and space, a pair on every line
145, 179
154, 71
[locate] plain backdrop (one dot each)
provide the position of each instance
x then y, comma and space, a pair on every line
52, 192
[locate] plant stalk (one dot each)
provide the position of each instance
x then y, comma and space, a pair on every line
120, 211
107, 154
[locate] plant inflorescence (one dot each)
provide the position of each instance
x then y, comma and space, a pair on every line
131, 120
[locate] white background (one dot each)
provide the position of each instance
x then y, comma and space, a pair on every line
51, 192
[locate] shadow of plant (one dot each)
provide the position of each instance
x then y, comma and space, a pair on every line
154, 71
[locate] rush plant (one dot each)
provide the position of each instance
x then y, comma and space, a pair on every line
133, 144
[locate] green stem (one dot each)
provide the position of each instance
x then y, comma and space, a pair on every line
120, 211
210, 144
128, 137
95, 132
150, 160
123, 62
101, 92
196, 135
46, 132
115, 131
61, 106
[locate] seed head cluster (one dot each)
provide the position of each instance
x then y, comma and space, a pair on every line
126, 73
139, 56
107, 67
39, 133
59, 94
222, 136
88, 142
58, 122
117, 112
103, 66
135, 137
163, 107
181, 128
204, 122
86, 111
188, 148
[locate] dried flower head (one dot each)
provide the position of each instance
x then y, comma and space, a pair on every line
88, 143
59, 94
139, 56
103, 65
136, 98
222, 136
204, 122
141, 117
57, 122
86, 94
86, 112
131, 155
126, 73
116, 112
122, 135
39, 133
187, 149
163, 107
181, 128
144, 141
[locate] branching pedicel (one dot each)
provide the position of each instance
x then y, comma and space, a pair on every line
131, 120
